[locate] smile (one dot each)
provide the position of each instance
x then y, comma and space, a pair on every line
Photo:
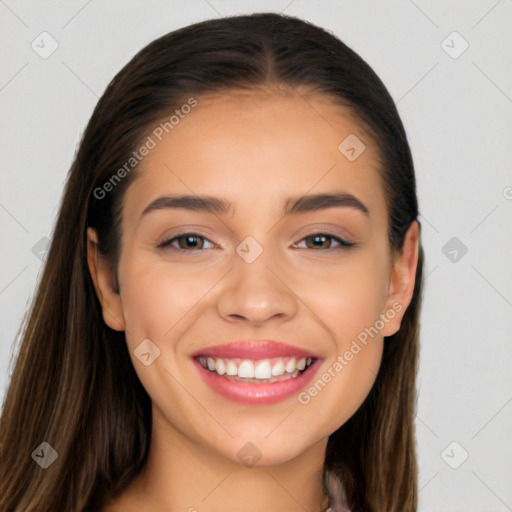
276, 369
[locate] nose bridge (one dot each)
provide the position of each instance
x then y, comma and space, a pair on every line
254, 291
252, 262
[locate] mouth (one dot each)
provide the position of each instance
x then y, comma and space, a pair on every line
276, 369
256, 372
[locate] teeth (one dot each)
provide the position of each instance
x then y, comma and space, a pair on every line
231, 368
246, 370
262, 369
290, 367
220, 367
278, 369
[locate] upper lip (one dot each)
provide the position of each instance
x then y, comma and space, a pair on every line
254, 350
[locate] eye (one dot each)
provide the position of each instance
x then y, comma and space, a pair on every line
324, 240
189, 242
192, 242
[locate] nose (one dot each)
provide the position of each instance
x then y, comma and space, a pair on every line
257, 293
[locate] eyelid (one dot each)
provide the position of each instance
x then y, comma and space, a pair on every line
323, 228
343, 243
166, 241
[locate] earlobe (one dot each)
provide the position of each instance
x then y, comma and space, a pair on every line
104, 284
402, 280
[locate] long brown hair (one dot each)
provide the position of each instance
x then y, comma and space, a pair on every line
73, 384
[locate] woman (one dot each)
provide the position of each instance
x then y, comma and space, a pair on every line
228, 315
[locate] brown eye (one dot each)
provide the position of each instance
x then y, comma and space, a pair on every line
319, 241
189, 242
324, 241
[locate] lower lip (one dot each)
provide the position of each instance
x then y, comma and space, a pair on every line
254, 392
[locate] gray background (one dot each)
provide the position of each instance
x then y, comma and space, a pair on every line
457, 110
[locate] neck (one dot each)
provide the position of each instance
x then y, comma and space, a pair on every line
183, 475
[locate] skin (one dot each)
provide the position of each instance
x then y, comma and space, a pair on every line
254, 149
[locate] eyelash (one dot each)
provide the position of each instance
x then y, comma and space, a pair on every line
343, 244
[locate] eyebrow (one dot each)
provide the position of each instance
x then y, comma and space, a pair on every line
299, 204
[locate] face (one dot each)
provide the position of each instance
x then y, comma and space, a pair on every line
317, 275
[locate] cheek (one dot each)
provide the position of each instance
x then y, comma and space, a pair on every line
158, 301
350, 300
351, 293
342, 384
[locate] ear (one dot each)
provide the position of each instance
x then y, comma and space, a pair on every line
103, 280
402, 280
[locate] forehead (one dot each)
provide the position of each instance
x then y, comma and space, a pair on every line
257, 146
